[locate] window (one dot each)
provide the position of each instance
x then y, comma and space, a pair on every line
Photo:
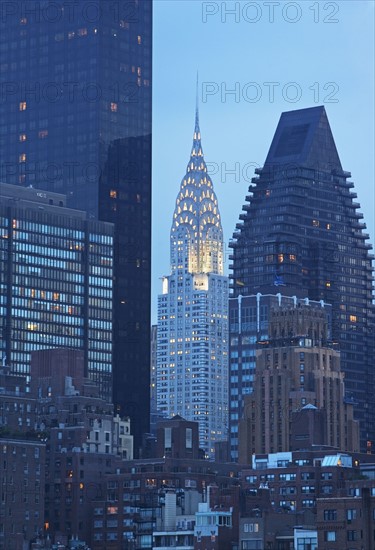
330, 536
307, 543
252, 545
330, 515
251, 527
308, 503
251, 479
351, 514
189, 438
287, 477
23, 106
352, 535
167, 438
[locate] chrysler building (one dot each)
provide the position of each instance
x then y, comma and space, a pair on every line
192, 342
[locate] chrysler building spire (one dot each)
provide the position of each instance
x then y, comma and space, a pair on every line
192, 335
196, 233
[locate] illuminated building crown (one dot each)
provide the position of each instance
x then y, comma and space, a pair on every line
196, 234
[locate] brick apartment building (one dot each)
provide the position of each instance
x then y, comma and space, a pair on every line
22, 475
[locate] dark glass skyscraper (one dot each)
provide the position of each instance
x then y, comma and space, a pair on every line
75, 118
301, 231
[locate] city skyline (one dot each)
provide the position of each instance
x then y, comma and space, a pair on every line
238, 133
246, 417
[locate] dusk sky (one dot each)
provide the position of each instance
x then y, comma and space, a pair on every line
313, 53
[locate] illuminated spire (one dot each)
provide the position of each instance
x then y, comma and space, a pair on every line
196, 106
196, 234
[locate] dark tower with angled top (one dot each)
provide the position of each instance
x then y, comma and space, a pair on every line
301, 229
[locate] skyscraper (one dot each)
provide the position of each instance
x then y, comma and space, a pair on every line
301, 229
192, 336
297, 370
249, 321
75, 118
56, 282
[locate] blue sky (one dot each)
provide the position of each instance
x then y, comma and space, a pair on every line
315, 53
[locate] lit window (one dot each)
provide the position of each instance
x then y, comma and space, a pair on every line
22, 157
353, 318
330, 536
71, 35
328, 226
23, 106
114, 107
292, 257
113, 194
22, 137
328, 284
280, 258
316, 223
43, 134
139, 39
23, 21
